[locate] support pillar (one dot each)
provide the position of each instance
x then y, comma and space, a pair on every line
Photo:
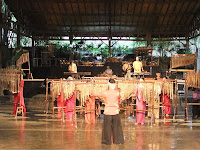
1, 20
109, 47
0, 48
33, 42
18, 36
70, 36
198, 59
109, 41
187, 44
149, 39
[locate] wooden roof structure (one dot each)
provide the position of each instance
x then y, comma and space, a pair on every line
137, 19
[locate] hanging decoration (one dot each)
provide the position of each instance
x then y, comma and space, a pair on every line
10, 79
178, 60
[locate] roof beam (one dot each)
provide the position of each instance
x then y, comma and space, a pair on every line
105, 8
185, 12
107, 24
153, 19
63, 20
120, 13
85, 7
35, 18
165, 13
54, 14
195, 20
127, 10
68, 17
73, 11
133, 1
114, 33
98, 11
140, 13
123, 15
114, 11
181, 17
133, 14
79, 13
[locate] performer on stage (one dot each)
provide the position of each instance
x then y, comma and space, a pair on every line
158, 77
72, 67
137, 66
108, 72
127, 70
167, 105
112, 122
67, 103
140, 104
19, 98
166, 101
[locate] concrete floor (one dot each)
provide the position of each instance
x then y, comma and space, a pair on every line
40, 131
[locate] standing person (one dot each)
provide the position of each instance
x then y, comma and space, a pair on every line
19, 99
166, 101
137, 66
127, 70
140, 104
112, 122
196, 99
72, 67
158, 77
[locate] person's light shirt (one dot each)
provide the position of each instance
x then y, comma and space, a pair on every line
109, 71
112, 98
73, 68
137, 66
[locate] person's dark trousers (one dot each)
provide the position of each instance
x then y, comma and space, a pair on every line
138, 76
195, 109
112, 124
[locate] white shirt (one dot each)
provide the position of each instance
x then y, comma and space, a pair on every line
109, 71
72, 68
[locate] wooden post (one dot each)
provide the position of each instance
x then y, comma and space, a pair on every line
149, 39
33, 42
46, 100
109, 41
0, 39
62, 97
53, 111
176, 109
198, 60
152, 115
187, 43
186, 92
74, 117
163, 102
109, 47
53, 99
0, 50
18, 36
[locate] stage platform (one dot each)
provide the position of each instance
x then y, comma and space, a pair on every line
56, 72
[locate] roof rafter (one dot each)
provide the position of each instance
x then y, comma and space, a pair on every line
108, 16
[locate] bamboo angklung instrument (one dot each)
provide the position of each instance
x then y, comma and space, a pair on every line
191, 80
10, 79
178, 60
127, 88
